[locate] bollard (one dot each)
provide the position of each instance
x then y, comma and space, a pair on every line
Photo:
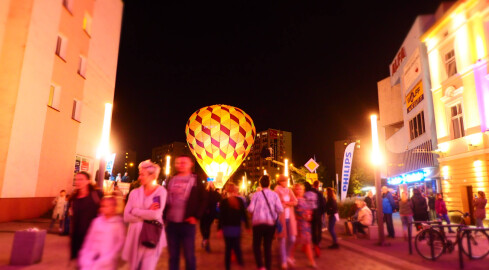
28, 247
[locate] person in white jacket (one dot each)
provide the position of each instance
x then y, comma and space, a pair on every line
104, 239
145, 203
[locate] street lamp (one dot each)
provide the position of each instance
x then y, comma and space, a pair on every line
376, 159
103, 149
167, 168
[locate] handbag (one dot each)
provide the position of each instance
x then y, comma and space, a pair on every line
150, 233
278, 225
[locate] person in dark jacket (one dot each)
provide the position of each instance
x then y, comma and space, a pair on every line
317, 220
210, 213
332, 211
185, 204
420, 207
84, 204
431, 206
388, 206
232, 213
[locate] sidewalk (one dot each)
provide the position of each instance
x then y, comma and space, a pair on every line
396, 253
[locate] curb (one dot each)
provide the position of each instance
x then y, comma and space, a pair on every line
384, 258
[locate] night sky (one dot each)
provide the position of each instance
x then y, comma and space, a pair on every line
309, 67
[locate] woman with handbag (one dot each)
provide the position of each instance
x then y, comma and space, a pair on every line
303, 213
144, 212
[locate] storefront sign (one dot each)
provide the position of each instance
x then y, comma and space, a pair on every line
346, 172
401, 55
415, 96
407, 178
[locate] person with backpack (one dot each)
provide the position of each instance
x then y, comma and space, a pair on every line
388, 206
265, 207
420, 208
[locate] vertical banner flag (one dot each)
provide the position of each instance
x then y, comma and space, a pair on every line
345, 173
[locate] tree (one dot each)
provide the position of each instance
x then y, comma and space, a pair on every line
360, 178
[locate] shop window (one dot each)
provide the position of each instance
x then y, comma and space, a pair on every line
450, 64
417, 126
61, 46
54, 96
76, 113
457, 121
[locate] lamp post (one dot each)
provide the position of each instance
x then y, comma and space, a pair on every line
286, 171
103, 150
377, 161
167, 168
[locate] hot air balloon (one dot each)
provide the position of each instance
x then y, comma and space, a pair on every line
220, 137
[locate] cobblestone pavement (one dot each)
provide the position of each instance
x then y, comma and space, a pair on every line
56, 253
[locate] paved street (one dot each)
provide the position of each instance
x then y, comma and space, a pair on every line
353, 254
56, 253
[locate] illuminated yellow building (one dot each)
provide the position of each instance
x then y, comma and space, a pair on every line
58, 63
457, 53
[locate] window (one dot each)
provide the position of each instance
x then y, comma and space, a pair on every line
417, 126
87, 24
457, 121
54, 96
61, 45
82, 66
450, 64
75, 114
68, 4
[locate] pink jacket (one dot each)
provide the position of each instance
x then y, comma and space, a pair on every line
441, 207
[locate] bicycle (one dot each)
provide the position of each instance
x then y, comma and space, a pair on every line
432, 242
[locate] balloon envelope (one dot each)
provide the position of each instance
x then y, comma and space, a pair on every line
220, 137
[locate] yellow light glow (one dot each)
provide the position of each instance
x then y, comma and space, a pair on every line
167, 166
286, 167
264, 172
154, 182
376, 156
443, 147
131, 164
243, 184
479, 46
103, 150
458, 19
474, 139
445, 173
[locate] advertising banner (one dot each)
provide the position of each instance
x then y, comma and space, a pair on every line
415, 96
346, 172
110, 163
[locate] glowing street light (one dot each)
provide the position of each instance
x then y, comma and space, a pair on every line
167, 166
376, 156
376, 161
103, 149
286, 167
264, 172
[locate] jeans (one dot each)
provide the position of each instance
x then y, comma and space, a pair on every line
479, 223
405, 222
358, 227
286, 243
374, 216
331, 223
232, 243
445, 217
390, 225
316, 229
263, 232
432, 213
205, 226
178, 234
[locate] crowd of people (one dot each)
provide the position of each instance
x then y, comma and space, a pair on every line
418, 207
155, 218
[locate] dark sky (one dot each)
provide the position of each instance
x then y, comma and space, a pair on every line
309, 67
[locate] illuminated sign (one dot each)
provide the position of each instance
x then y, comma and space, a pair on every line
415, 96
401, 55
407, 178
